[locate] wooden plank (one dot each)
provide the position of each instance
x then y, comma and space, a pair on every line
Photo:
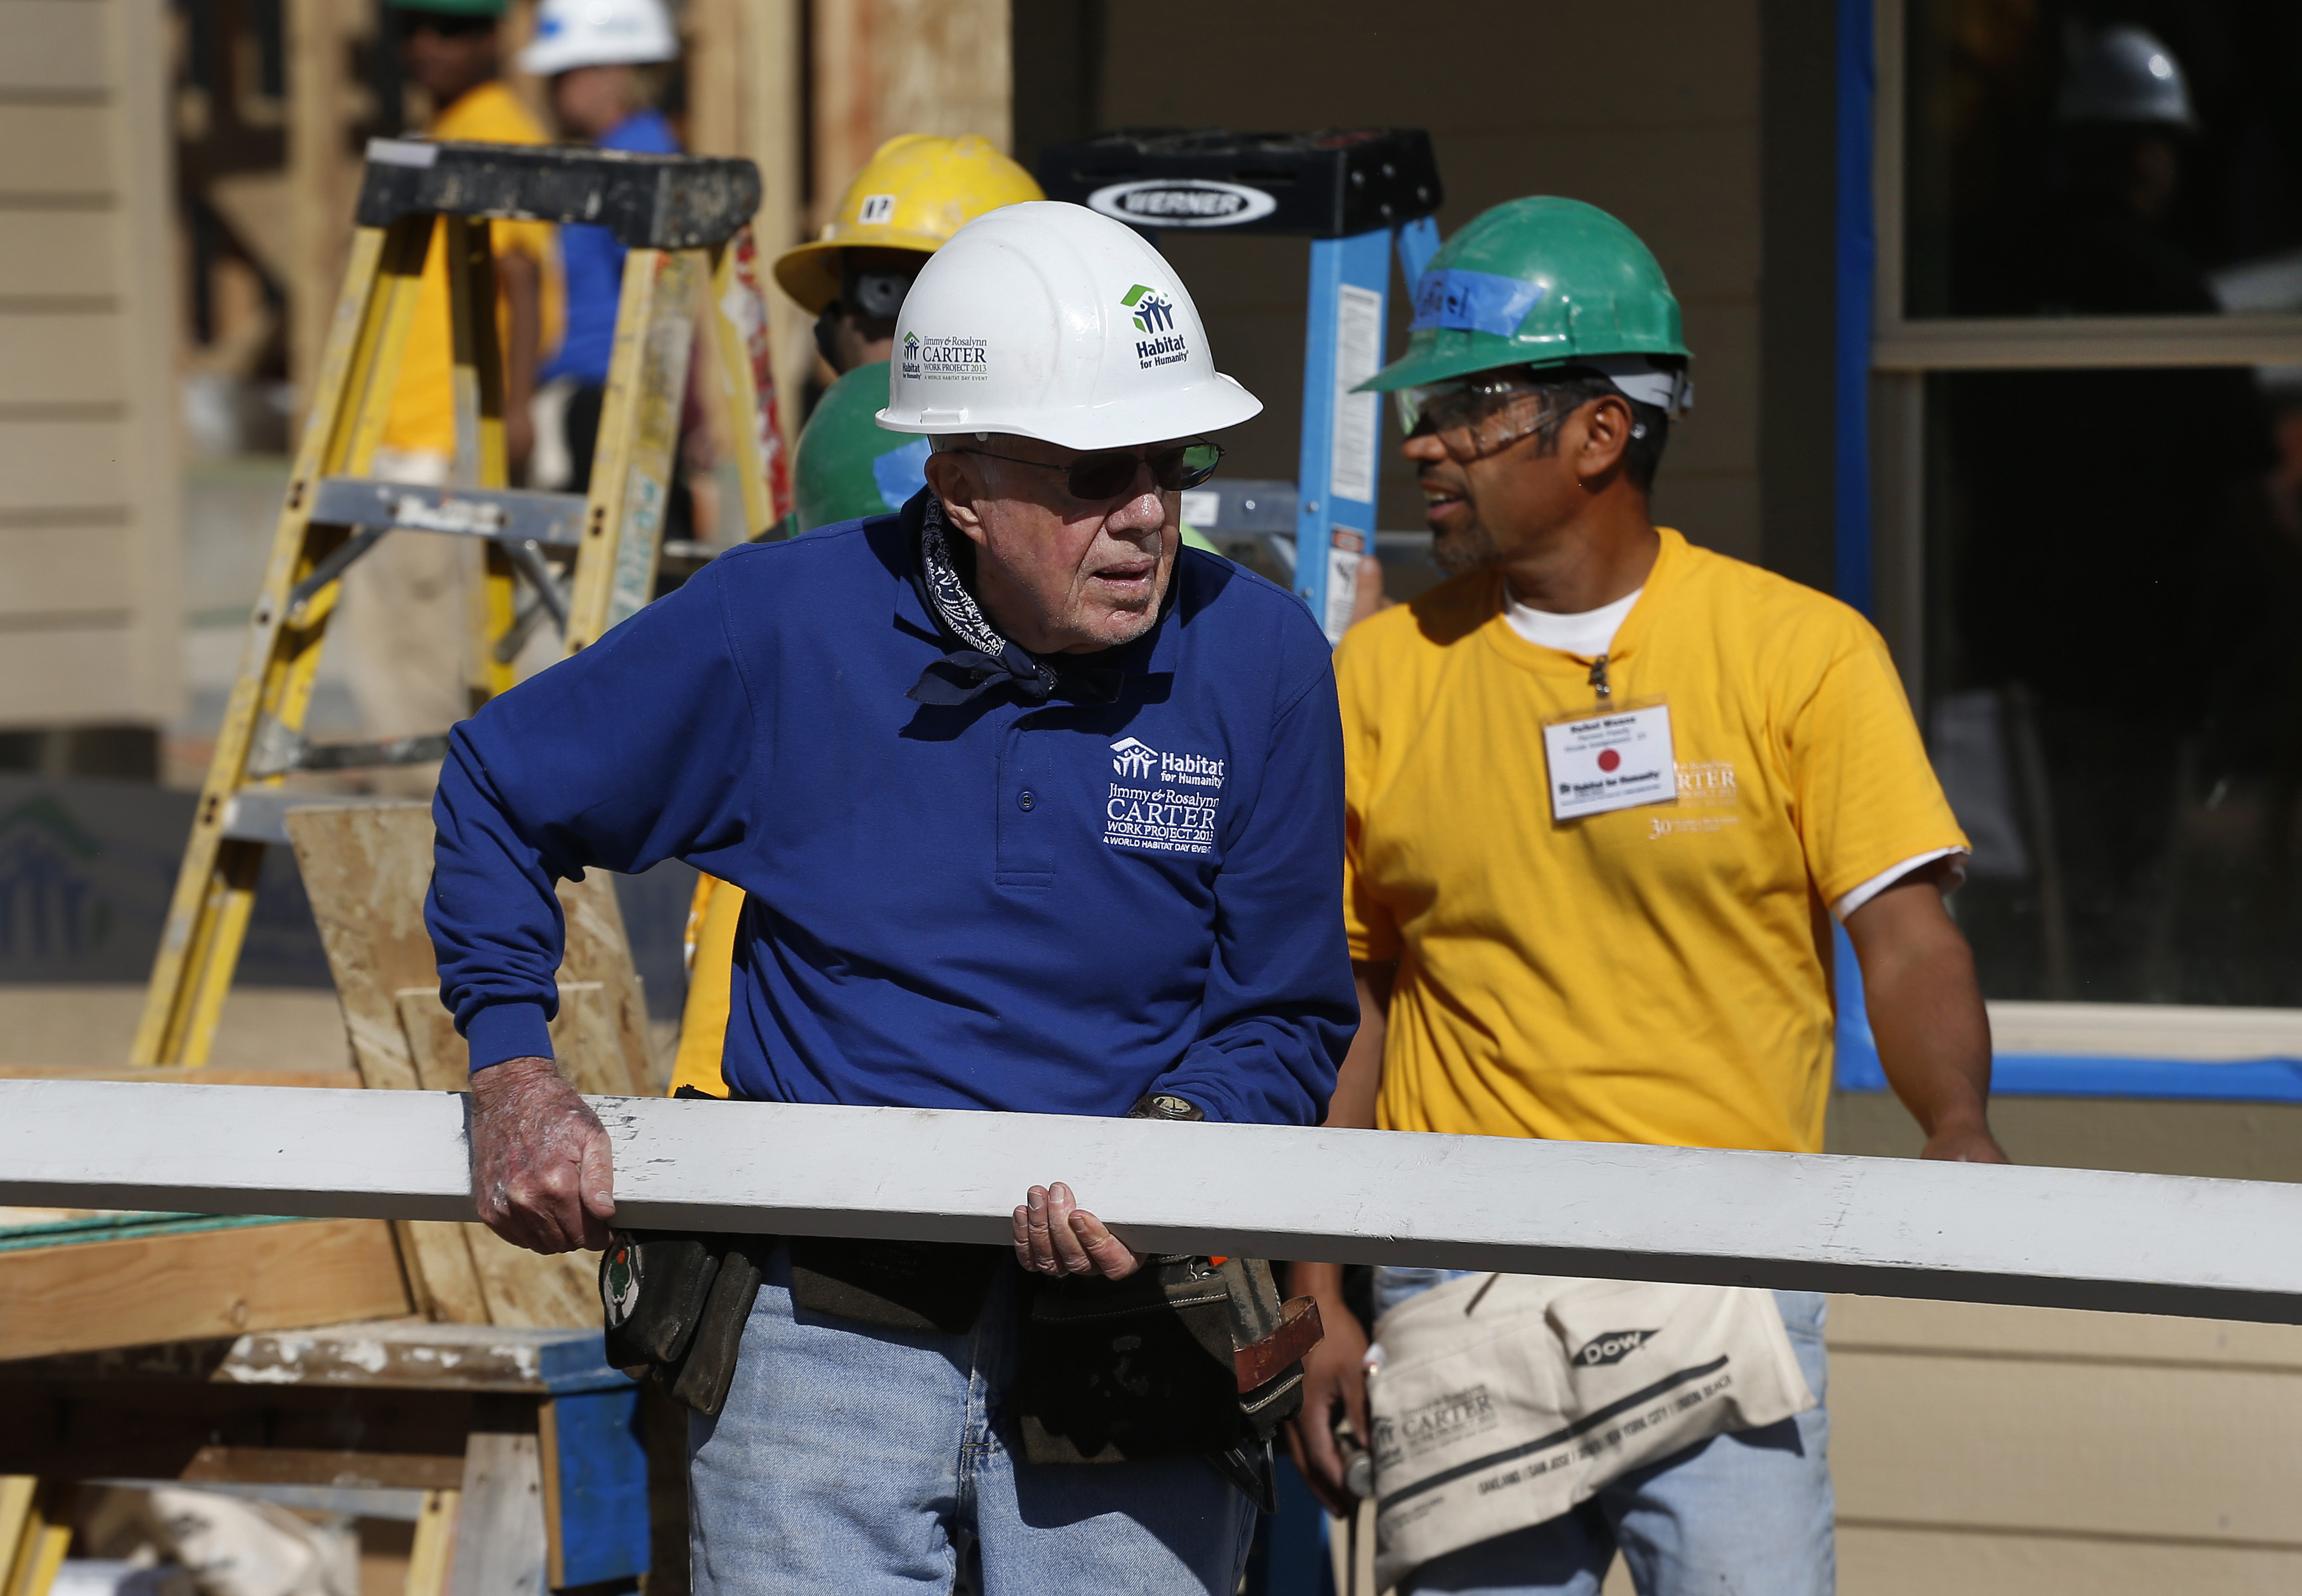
47, 465
128, 1428
55, 46
147, 1074
55, 567
432, 1552
414, 1355
1989, 1329
1886, 1227
2067, 1448
500, 1539
61, 359
211, 1283
1898, 1559
56, 149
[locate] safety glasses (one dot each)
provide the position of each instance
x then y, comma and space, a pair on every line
1478, 415
1097, 478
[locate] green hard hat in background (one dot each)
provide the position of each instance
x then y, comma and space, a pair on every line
452, 8
847, 465
1536, 282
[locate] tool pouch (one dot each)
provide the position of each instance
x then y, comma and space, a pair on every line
676, 1304
895, 1285
1185, 1357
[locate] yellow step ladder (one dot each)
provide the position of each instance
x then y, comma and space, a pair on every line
685, 221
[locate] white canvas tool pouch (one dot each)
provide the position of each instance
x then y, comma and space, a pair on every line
1505, 1399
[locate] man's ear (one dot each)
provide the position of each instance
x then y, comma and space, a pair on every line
1606, 434
953, 479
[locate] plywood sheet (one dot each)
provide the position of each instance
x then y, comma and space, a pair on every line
207, 1283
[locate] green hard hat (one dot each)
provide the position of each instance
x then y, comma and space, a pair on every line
847, 465
452, 8
1536, 282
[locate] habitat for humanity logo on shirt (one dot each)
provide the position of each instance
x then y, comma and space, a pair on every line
1162, 802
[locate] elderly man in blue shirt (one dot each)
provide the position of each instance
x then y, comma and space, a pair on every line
1037, 812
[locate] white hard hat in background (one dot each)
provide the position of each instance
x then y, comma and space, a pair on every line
1048, 321
573, 33
2126, 75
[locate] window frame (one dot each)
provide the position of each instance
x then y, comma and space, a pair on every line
2178, 1051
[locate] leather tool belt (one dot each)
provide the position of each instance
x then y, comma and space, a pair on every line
1186, 1357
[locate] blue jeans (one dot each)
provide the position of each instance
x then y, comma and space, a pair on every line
1748, 1513
854, 1460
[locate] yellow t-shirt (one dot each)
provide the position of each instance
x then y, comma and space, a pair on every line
422, 407
1659, 974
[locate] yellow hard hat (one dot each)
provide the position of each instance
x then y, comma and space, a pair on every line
915, 192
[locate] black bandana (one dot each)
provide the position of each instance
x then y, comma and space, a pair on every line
983, 660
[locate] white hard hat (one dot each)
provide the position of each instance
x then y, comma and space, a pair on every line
1050, 321
2126, 75
573, 33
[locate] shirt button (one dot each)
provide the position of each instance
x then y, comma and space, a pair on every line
1025, 799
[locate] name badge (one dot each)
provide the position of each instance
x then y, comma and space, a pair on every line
1614, 759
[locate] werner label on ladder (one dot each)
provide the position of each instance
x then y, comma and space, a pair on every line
1357, 194
691, 265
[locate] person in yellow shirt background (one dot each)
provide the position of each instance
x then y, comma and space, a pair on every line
1607, 792
405, 618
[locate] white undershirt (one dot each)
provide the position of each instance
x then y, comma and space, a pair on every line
1591, 634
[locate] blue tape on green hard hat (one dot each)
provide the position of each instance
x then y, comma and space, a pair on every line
1473, 302
1582, 284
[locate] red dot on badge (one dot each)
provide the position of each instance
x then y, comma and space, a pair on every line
1608, 759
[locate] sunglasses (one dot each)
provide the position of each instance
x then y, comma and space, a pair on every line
1097, 478
446, 24
876, 291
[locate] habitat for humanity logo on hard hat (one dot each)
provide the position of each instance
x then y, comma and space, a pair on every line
946, 359
1155, 316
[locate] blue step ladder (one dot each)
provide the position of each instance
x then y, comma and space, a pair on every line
1359, 195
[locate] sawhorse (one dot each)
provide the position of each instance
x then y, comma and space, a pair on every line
528, 1447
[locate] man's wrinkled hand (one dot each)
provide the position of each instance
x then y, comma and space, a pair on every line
543, 1177
1334, 1376
1054, 1235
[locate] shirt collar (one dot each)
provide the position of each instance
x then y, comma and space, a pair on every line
977, 658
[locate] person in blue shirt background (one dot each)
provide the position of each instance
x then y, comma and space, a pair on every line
603, 60
1034, 811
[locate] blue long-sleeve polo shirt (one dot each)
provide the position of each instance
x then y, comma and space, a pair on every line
1052, 908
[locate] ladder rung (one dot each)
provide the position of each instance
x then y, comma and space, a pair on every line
260, 814
508, 514
649, 202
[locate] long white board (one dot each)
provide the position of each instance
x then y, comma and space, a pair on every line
2052, 1238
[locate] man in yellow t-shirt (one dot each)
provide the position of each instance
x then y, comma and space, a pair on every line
406, 604
1607, 792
